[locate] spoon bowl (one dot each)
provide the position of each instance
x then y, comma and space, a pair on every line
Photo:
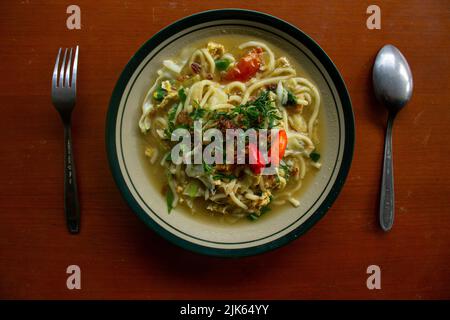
392, 78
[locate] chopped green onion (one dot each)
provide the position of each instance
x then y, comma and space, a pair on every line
253, 216
182, 95
222, 64
169, 200
171, 121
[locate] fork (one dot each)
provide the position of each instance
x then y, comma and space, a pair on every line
64, 89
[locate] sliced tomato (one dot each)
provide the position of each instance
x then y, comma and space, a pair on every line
246, 67
281, 143
256, 159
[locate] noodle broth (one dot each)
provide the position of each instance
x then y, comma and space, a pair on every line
158, 176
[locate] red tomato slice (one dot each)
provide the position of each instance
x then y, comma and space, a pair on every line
281, 141
256, 159
246, 67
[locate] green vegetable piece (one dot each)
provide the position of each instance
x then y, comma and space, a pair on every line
219, 176
222, 64
264, 210
169, 200
314, 156
207, 167
171, 123
191, 189
172, 113
291, 99
253, 217
159, 94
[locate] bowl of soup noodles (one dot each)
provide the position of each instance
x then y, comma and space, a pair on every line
230, 132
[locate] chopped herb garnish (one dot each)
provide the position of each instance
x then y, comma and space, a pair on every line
220, 176
221, 114
253, 216
197, 114
259, 114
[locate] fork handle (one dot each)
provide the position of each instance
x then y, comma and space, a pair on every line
71, 204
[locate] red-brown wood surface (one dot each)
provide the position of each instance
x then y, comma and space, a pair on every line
120, 257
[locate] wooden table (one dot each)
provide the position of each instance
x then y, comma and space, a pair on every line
120, 257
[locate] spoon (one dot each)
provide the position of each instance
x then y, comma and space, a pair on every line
393, 85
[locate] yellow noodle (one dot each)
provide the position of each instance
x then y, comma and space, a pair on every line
259, 84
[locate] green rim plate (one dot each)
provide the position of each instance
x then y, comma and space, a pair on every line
209, 16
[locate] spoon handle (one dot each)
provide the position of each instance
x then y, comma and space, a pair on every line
387, 182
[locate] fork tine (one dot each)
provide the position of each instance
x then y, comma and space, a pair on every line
61, 74
74, 70
55, 70
67, 77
